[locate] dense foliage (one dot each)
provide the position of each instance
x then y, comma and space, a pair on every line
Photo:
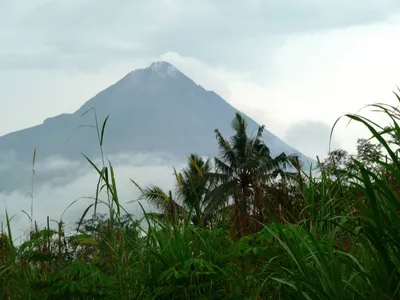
243, 225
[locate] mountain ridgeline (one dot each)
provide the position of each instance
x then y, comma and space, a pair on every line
155, 109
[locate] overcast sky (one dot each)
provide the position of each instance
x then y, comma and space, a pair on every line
293, 65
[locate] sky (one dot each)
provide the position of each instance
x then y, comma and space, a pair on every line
293, 65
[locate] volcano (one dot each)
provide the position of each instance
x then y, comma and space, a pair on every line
155, 109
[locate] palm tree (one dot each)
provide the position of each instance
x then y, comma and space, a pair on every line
244, 166
195, 193
197, 189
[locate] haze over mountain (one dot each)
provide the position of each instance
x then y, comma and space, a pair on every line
156, 109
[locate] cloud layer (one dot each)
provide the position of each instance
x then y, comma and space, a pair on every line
77, 182
93, 34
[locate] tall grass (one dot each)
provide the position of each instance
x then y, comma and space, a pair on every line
343, 243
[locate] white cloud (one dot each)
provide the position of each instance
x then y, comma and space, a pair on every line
312, 138
316, 77
52, 197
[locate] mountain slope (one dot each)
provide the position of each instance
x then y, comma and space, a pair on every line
153, 109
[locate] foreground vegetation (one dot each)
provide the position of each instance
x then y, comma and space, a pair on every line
243, 225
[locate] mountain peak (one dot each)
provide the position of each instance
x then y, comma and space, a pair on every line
163, 67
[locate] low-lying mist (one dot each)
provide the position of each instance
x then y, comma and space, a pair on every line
57, 182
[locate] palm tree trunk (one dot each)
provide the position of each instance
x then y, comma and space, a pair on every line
257, 213
243, 208
237, 218
171, 209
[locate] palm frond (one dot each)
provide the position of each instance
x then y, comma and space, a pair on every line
157, 197
219, 196
225, 149
223, 167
